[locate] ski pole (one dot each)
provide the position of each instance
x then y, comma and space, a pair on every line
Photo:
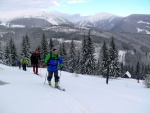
60, 73
45, 78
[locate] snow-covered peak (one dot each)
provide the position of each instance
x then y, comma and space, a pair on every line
101, 20
51, 18
100, 16
41, 14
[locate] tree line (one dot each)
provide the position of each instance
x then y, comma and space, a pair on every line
80, 61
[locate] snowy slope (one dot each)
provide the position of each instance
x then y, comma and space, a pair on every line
38, 14
102, 20
26, 93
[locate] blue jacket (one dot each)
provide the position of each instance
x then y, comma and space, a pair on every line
52, 61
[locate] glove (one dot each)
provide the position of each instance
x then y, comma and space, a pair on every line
61, 66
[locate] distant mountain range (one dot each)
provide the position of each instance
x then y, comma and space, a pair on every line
136, 23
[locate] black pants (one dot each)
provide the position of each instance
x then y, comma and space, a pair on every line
35, 68
50, 75
24, 67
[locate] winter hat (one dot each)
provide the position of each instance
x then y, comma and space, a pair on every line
54, 49
36, 50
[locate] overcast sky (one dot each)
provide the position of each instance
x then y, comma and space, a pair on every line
83, 7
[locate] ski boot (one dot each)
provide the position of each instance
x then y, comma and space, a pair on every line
49, 82
56, 85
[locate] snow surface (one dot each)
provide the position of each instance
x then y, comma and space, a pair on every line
139, 30
26, 93
18, 26
143, 22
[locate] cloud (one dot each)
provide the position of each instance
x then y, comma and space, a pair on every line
77, 1
55, 3
27, 4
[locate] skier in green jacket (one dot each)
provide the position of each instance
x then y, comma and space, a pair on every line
52, 60
24, 62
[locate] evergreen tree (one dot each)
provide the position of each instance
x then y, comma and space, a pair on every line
137, 71
104, 59
51, 45
60, 49
78, 62
24, 52
83, 56
13, 53
72, 58
122, 69
43, 47
1, 53
113, 56
7, 56
147, 81
63, 54
26, 46
65, 57
28, 51
90, 62
99, 63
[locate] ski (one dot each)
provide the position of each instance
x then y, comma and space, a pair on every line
59, 88
38, 75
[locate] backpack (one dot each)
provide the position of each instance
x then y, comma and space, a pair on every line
24, 61
51, 58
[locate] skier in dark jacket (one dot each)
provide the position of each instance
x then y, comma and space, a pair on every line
52, 60
35, 57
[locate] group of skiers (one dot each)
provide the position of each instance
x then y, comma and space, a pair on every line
52, 60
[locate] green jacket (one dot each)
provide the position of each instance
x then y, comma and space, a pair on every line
52, 61
54, 57
24, 61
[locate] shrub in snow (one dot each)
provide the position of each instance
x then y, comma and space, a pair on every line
147, 81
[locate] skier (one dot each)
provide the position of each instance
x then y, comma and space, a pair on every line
51, 61
19, 64
35, 57
24, 63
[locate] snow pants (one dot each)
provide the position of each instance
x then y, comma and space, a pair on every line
24, 67
50, 75
35, 68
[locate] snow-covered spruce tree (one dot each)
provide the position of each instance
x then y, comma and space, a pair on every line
60, 49
104, 59
44, 50
137, 70
72, 58
63, 54
91, 61
121, 69
65, 57
147, 81
1, 53
26, 47
78, 62
7, 56
51, 45
113, 56
83, 56
13, 53
23, 45
28, 50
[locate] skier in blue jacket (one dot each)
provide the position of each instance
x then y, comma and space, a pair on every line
52, 60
